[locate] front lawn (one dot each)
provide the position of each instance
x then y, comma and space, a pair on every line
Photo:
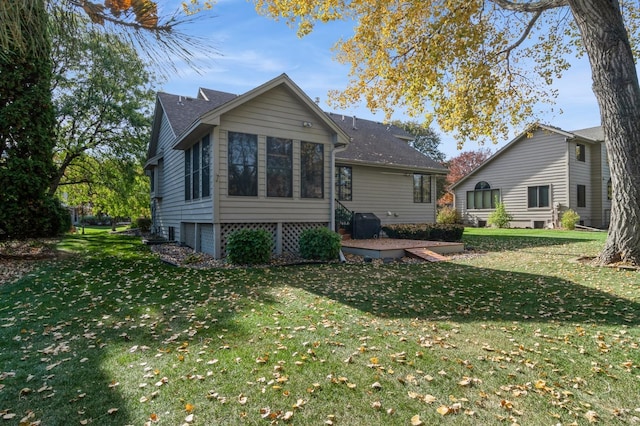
515, 333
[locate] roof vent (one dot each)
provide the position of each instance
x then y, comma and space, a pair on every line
354, 123
180, 100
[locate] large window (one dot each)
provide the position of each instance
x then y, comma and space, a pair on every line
243, 164
421, 188
538, 196
197, 170
343, 183
187, 174
582, 196
482, 197
311, 170
195, 175
580, 152
279, 167
206, 167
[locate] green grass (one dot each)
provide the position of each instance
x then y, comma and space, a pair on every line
519, 334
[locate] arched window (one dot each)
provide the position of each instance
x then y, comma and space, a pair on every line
482, 197
482, 185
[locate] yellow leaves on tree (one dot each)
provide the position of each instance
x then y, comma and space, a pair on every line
466, 63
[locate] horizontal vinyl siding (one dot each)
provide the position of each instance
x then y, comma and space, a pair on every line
536, 161
172, 208
276, 114
580, 174
383, 191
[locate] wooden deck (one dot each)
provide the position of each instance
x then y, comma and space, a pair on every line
381, 248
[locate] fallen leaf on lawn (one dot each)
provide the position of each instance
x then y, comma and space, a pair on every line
242, 399
376, 386
443, 410
507, 405
415, 421
189, 418
429, 399
154, 417
8, 416
287, 416
591, 416
189, 407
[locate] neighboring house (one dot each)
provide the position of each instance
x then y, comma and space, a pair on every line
268, 159
539, 175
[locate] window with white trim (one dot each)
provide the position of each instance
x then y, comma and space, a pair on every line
482, 197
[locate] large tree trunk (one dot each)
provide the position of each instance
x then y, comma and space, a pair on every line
615, 84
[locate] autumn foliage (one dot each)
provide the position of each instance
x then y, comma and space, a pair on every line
460, 166
145, 12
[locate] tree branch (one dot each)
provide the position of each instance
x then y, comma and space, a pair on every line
536, 6
524, 36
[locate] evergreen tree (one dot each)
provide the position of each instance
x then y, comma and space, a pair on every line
27, 132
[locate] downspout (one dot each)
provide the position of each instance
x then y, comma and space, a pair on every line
332, 185
332, 189
568, 176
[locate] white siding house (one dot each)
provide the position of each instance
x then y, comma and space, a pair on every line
262, 160
539, 175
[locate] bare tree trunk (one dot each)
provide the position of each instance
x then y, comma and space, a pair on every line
615, 84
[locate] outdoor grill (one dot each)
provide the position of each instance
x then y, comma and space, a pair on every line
365, 226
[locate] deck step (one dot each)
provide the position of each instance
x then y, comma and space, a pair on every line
425, 254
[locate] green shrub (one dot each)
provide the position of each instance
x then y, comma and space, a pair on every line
319, 243
569, 219
448, 215
499, 218
249, 247
141, 223
425, 231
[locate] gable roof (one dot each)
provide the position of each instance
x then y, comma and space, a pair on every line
590, 135
381, 144
212, 117
367, 142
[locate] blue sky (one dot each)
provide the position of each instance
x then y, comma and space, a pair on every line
254, 49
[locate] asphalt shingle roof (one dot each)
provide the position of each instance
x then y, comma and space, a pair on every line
595, 133
182, 111
371, 142
378, 143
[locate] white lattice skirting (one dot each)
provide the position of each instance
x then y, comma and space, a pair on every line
285, 237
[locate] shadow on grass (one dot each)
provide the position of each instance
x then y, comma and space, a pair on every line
111, 303
447, 291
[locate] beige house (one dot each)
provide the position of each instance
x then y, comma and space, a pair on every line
272, 159
539, 175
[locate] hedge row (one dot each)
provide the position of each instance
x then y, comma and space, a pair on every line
425, 231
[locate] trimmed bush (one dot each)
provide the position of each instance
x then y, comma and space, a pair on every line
249, 247
320, 244
569, 219
448, 215
425, 231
